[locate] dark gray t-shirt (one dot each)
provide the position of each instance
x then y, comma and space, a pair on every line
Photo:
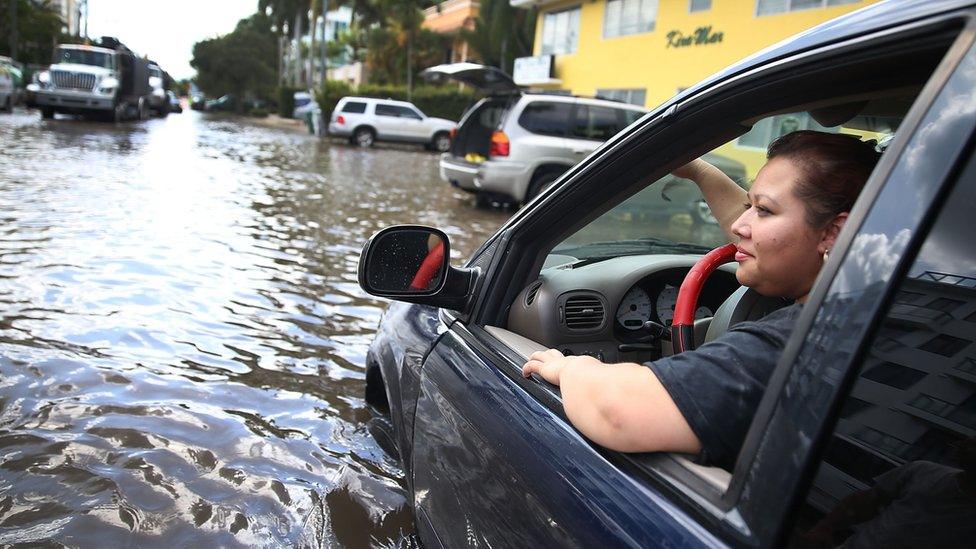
717, 387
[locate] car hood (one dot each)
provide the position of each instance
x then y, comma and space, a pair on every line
441, 121
482, 77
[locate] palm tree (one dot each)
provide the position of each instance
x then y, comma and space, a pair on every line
501, 33
283, 12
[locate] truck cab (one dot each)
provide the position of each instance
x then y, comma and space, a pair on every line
105, 79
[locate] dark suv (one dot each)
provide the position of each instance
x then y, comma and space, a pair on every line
866, 433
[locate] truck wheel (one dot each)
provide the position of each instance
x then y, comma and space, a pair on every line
441, 142
47, 113
118, 113
9, 106
363, 137
143, 111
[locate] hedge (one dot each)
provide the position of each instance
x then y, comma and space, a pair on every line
440, 101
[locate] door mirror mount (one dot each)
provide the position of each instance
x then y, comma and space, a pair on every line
412, 263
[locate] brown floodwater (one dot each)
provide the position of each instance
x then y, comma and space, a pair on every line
182, 337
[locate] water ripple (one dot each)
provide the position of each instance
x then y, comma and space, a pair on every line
182, 335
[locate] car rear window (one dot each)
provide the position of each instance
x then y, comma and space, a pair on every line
354, 107
545, 118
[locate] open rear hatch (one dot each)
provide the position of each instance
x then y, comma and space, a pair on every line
473, 138
490, 80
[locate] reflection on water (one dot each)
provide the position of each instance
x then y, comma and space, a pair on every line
182, 335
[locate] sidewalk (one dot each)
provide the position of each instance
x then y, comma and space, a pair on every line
275, 121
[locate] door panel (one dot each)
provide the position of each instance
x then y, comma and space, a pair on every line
494, 467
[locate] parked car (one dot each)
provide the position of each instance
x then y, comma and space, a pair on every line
304, 104
15, 71
365, 120
873, 399
174, 102
7, 89
198, 102
228, 103
511, 145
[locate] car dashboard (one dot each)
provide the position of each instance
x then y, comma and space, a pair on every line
600, 308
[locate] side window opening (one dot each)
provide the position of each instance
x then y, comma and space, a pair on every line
900, 470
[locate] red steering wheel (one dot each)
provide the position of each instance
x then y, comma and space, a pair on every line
429, 268
683, 325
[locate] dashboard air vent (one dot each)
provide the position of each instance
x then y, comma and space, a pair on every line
533, 291
584, 312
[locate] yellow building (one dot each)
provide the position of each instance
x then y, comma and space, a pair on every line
651, 49
645, 51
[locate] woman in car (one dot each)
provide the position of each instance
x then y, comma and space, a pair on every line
702, 401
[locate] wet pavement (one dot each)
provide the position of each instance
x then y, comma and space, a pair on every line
182, 337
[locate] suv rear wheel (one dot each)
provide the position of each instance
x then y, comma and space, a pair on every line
363, 137
540, 182
441, 142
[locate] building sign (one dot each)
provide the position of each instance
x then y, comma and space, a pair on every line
700, 37
533, 70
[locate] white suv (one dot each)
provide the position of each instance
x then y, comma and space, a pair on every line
511, 145
365, 120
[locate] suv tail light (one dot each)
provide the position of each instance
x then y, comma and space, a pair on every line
340, 120
499, 144
453, 133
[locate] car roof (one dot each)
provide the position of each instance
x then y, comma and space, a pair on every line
391, 101
869, 19
590, 100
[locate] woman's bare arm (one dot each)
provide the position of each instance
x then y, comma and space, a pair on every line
723, 196
623, 407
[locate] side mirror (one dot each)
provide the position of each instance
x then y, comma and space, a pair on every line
412, 263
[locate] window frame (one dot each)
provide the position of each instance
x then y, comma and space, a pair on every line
576, 34
619, 34
824, 4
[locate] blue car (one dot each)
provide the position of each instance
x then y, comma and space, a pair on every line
866, 434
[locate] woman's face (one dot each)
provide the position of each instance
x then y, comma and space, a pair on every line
779, 253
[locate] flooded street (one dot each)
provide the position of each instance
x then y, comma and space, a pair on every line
182, 336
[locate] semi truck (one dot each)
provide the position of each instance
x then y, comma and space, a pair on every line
105, 79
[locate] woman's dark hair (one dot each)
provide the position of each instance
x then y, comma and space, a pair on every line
835, 167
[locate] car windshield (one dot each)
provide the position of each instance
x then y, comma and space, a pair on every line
84, 57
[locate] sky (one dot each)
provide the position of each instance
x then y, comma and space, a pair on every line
166, 31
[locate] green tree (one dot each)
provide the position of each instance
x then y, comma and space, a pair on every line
38, 30
242, 63
501, 33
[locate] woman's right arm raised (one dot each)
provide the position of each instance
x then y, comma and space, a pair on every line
723, 196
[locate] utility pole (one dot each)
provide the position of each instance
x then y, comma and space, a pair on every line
324, 44
83, 3
313, 26
13, 28
298, 49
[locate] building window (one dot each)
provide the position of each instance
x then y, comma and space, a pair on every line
881, 441
944, 304
934, 406
769, 7
965, 413
905, 296
634, 97
699, 5
560, 31
967, 365
766, 130
944, 345
894, 375
623, 17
